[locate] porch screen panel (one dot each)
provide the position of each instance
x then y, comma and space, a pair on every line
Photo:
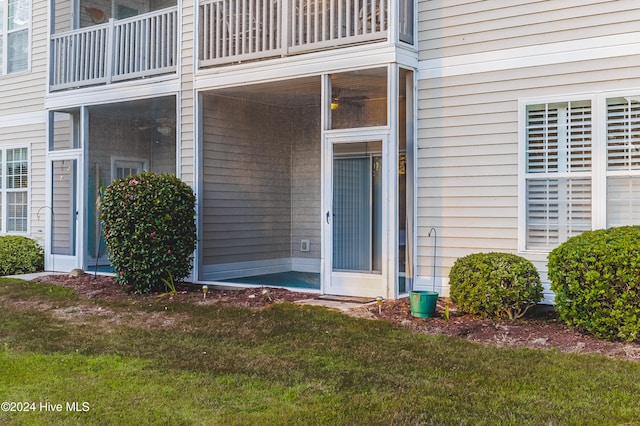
352, 214
63, 237
623, 161
558, 172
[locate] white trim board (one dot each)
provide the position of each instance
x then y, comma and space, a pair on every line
310, 64
618, 45
111, 93
23, 119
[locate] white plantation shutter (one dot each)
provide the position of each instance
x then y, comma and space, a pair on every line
623, 200
557, 209
558, 172
623, 161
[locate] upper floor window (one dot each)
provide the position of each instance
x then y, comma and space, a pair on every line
576, 179
14, 35
14, 187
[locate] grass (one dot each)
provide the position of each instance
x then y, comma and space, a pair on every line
173, 363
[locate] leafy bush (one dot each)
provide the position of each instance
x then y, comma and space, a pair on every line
596, 280
502, 285
150, 230
20, 255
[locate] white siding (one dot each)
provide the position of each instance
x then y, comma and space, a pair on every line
32, 136
23, 92
186, 109
460, 27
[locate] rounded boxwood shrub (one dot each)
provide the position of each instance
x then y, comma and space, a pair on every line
150, 230
20, 255
499, 285
596, 280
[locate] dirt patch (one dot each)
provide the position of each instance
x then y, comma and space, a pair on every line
540, 329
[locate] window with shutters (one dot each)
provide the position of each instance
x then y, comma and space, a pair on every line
623, 161
14, 190
14, 35
566, 163
558, 172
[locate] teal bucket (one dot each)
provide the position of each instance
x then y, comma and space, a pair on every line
423, 303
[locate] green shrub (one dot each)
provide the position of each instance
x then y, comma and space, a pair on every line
596, 280
20, 255
500, 285
150, 230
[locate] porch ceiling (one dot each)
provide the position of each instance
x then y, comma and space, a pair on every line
306, 91
144, 109
290, 93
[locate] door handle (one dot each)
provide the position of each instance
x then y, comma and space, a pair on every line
328, 214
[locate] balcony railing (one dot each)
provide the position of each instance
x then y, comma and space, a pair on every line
241, 30
142, 46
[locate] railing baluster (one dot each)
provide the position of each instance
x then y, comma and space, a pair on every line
332, 20
300, 12
205, 30
250, 31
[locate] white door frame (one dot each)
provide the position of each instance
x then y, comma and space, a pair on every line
356, 283
58, 262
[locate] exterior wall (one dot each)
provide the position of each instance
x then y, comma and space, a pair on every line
31, 135
459, 27
186, 101
22, 119
468, 114
23, 92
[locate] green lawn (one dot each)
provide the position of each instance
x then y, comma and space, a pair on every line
173, 363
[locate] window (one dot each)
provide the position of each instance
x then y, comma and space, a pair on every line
14, 187
566, 164
623, 161
123, 168
14, 35
558, 172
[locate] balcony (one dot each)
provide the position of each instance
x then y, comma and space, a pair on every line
232, 31
140, 46
106, 45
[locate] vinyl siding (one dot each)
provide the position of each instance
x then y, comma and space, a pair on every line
468, 152
23, 92
452, 28
32, 136
186, 110
306, 215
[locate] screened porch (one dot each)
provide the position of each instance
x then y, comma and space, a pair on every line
282, 204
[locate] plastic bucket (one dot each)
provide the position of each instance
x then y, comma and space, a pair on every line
423, 303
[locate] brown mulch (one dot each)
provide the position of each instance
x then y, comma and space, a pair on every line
539, 329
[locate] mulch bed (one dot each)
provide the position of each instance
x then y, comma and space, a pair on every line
539, 329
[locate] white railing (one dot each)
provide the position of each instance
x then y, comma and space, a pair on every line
79, 57
240, 30
141, 46
316, 24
